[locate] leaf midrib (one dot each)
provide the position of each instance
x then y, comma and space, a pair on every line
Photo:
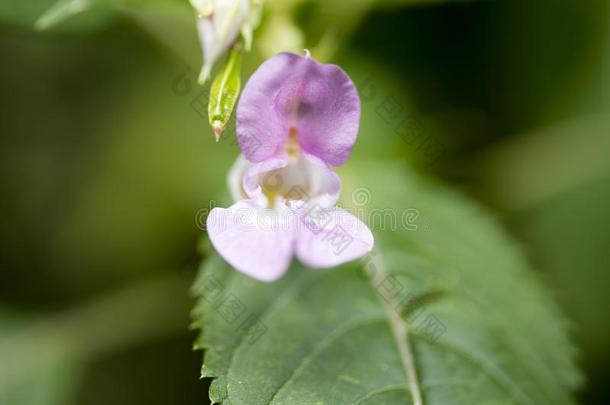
397, 325
400, 333
387, 314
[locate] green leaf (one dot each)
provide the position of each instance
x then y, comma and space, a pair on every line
446, 310
224, 93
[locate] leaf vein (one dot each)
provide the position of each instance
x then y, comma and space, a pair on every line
387, 388
331, 337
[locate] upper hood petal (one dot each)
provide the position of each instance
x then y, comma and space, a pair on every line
290, 91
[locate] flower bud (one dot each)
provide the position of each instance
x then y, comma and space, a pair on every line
224, 93
204, 8
218, 22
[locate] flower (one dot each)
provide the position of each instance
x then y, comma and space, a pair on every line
218, 23
296, 119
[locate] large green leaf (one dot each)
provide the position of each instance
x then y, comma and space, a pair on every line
446, 309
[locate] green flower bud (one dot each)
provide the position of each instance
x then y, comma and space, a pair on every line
224, 93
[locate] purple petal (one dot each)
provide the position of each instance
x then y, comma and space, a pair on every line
289, 91
258, 243
339, 238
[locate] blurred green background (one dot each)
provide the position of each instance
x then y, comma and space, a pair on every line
108, 165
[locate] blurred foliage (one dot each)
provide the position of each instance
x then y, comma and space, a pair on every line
43, 372
554, 186
107, 158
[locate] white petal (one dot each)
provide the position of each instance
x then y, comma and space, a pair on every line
257, 242
328, 237
235, 178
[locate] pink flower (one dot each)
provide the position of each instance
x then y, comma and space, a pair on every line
295, 120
